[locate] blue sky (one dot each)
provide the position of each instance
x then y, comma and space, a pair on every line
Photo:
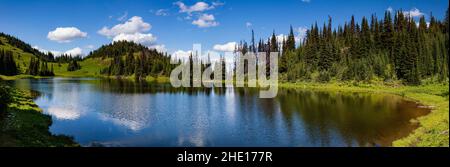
175, 25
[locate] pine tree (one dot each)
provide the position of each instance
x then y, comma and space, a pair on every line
290, 42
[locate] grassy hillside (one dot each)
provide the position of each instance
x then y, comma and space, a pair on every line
22, 58
89, 68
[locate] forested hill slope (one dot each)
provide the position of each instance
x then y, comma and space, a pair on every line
129, 58
393, 47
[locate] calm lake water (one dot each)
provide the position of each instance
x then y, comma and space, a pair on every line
122, 113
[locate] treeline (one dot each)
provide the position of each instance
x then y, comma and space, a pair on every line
38, 67
72, 61
7, 64
393, 48
129, 58
118, 48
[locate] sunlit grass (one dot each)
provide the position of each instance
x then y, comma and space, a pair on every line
89, 68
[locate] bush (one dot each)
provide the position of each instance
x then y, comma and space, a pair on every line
5, 96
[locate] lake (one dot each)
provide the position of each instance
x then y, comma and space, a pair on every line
116, 113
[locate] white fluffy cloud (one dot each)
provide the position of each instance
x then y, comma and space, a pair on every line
197, 7
40, 49
205, 20
134, 30
228, 47
281, 37
134, 25
306, 1
414, 12
159, 48
145, 39
65, 34
301, 33
181, 54
74, 52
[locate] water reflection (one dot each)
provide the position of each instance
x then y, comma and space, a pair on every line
357, 118
124, 113
64, 113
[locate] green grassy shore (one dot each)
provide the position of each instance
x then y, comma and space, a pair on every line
22, 124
